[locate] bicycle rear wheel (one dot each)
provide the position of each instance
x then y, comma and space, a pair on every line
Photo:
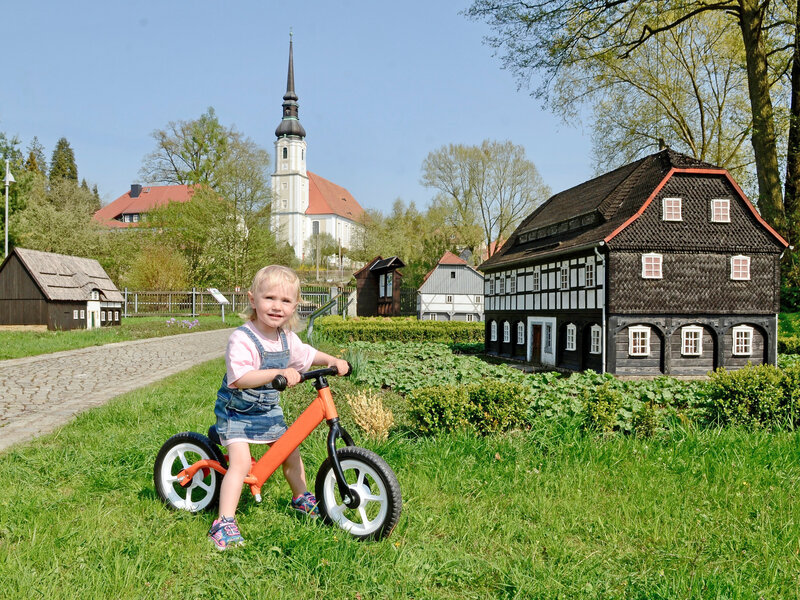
179, 452
380, 501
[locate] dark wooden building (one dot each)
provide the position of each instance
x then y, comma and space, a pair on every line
62, 292
662, 266
378, 287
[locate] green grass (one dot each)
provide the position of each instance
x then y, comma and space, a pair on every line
16, 344
546, 513
789, 324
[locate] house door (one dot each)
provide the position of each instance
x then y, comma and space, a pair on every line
536, 343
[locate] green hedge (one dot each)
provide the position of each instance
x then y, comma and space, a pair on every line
789, 344
400, 329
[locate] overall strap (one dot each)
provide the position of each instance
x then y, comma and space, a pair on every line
284, 342
255, 339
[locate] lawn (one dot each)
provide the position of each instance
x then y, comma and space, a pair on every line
546, 513
16, 344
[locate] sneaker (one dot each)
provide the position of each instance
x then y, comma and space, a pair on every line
306, 504
225, 533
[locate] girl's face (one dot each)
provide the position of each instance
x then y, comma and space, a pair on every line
274, 305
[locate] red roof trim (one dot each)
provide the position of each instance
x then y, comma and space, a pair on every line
669, 175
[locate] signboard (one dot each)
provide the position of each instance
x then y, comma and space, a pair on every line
218, 296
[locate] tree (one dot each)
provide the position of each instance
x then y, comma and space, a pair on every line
550, 36
36, 161
492, 186
62, 164
189, 152
158, 266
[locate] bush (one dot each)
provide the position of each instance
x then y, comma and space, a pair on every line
752, 396
601, 406
440, 408
789, 344
496, 406
401, 329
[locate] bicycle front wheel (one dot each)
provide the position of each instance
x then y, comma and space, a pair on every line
380, 501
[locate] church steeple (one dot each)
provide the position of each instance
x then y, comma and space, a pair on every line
290, 123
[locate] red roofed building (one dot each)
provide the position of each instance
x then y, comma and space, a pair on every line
127, 210
303, 203
451, 291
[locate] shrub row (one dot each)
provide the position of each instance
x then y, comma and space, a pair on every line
789, 344
404, 329
753, 397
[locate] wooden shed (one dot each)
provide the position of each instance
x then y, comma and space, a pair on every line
59, 291
378, 287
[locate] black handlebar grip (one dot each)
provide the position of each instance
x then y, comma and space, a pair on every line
349, 368
279, 383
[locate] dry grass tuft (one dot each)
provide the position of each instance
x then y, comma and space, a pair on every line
370, 414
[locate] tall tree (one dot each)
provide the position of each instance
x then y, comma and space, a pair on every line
189, 152
549, 36
36, 161
492, 186
62, 164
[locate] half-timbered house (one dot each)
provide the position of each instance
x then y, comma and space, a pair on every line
56, 290
660, 266
451, 291
378, 287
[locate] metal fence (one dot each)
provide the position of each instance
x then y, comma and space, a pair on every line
195, 302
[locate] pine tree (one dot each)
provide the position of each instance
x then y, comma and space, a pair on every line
62, 165
36, 161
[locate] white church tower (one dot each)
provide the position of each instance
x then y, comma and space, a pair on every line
290, 179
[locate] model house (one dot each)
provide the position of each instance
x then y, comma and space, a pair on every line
660, 266
378, 287
59, 291
129, 209
451, 291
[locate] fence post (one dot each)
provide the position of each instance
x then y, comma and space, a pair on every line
125, 310
334, 294
135, 302
194, 301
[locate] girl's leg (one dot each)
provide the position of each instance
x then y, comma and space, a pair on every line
295, 473
238, 468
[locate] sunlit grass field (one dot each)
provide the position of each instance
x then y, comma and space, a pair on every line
544, 513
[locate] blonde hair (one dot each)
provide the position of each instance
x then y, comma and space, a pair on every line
273, 275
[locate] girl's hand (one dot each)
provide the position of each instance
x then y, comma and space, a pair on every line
292, 376
341, 366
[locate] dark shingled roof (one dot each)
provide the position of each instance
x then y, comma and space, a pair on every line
585, 214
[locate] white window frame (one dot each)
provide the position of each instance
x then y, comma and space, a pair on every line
493, 331
672, 209
102, 316
743, 346
740, 268
548, 338
596, 346
563, 279
537, 280
512, 285
470, 317
501, 285
389, 280
691, 340
589, 275
478, 299
448, 299
572, 332
635, 333
75, 314
491, 285
116, 315
506, 332
520, 333
83, 314
724, 207
652, 260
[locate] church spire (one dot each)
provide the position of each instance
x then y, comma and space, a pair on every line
290, 123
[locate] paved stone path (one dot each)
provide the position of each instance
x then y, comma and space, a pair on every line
40, 393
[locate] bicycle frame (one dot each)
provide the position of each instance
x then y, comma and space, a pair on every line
321, 408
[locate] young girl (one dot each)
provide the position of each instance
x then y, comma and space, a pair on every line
247, 407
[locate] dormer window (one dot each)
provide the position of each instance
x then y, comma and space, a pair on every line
672, 209
651, 266
721, 210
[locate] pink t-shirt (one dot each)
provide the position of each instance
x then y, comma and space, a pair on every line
242, 356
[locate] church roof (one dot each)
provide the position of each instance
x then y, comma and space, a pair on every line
327, 198
141, 199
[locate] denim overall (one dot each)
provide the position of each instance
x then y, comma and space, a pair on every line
253, 414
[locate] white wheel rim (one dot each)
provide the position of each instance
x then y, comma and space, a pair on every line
200, 489
372, 494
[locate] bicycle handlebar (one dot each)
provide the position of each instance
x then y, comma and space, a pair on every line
280, 383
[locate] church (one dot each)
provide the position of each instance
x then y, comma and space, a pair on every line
303, 203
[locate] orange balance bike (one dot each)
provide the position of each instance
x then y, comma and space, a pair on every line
355, 488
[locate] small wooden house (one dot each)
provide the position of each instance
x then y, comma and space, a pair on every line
59, 291
451, 291
378, 287
660, 266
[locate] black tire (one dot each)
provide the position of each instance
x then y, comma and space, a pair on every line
377, 487
177, 453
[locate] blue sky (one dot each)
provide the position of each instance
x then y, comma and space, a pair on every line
380, 85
